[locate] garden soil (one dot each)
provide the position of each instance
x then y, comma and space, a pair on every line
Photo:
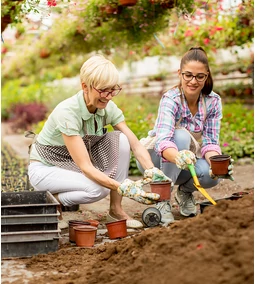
215, 247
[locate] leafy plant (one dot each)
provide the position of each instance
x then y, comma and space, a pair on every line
13, 171
24, 115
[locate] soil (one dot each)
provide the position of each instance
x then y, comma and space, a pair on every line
216, 246
213, 247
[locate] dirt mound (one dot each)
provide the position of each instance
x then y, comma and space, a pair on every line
214, 247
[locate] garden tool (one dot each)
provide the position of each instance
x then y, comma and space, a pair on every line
197, 184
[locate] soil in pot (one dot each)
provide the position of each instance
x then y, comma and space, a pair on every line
85, 236
219, 164
117, 229
163, 189
72, 224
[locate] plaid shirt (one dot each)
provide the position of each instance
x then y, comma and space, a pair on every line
171, 110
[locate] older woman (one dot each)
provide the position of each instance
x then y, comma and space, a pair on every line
76, 160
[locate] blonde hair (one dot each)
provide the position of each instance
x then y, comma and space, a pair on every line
99, 72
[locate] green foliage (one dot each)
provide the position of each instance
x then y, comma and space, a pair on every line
14, 93
236, 137
237, 131
13, 171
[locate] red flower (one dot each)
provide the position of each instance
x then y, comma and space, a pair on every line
188, 33
51, 3
206, 41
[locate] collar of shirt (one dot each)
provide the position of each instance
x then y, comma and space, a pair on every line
85, 114
186, 112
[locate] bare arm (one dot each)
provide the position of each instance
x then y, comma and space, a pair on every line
140, 153
79, 153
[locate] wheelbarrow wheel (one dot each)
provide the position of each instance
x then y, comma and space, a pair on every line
151, 217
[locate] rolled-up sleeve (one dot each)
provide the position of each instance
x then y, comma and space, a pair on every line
114, 115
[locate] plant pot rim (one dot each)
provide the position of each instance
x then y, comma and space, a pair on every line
161, 182
78, 221
219, 156
115, 222
85, 228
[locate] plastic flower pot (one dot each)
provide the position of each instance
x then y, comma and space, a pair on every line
94, 223
117, 229
219, 164
127, 2
85, 236
163, 189
72, 224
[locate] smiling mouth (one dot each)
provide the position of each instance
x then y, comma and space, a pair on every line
103, 101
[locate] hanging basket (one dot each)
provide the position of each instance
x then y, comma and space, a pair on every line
127, 2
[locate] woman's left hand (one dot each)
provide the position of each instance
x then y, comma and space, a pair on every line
133, 190
229, 175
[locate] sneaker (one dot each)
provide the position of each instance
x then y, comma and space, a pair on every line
186, 202
164, 208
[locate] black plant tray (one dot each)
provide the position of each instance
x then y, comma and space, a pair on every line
27, 249
30, 202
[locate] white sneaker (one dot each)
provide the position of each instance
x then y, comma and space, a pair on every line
165, 209
186, 202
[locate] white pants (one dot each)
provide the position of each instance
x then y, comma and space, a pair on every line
75, 188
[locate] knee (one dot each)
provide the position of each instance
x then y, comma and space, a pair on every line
182, 139
202, 171
94, 195
124, 145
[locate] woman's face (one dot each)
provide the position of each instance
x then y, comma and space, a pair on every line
191, 85
94, 100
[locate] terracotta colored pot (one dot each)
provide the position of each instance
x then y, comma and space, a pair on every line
94, 223
163, 189
85, 236
219, 164
117, 229
127, 2
72, 224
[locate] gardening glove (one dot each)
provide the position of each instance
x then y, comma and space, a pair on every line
229, 175
185, 158
154, 175
133, 190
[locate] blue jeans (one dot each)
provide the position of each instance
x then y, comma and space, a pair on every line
181, 177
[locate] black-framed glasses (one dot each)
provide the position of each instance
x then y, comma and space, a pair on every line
105, 93
200, 77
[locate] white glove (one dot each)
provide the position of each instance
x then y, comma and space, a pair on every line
133, 190
185, 158
154, 175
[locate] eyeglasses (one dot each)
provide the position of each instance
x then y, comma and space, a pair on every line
105, 94
200, 77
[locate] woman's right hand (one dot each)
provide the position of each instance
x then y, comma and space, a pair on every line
133, 190
185, 158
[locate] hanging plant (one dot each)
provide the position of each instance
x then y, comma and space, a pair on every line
127, 2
